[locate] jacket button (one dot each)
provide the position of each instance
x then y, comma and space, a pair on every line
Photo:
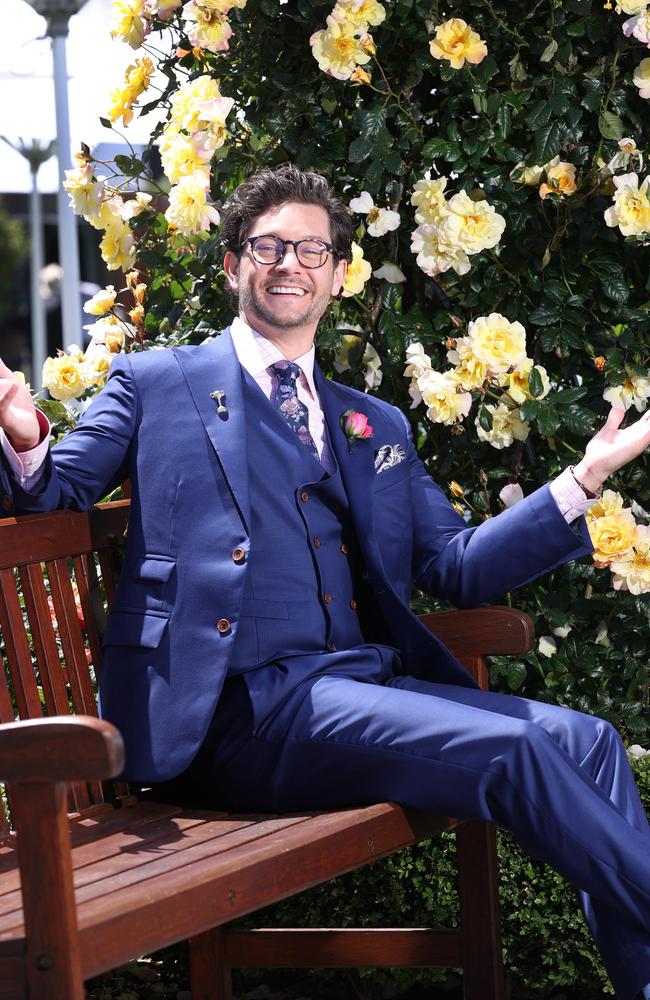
327, 598
344, 549
7, 503
304, 496
223, 626
353, 604
238, 555
316, 543
331, 647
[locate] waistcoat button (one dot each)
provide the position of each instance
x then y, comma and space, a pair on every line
327, 598
316, 543
353, 604
344, 549
223, 626
304, 496
238, 555
331, 647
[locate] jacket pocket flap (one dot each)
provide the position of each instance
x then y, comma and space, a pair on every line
154, 568
252, 608
132, 628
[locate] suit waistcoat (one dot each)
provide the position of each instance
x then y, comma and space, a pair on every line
302, 574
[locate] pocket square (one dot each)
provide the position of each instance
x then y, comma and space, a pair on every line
389, 455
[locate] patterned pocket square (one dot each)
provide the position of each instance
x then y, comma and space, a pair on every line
389, 455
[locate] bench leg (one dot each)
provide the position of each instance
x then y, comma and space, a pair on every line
483, 977
210, 978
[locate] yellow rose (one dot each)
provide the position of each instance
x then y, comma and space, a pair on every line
641, 78
373, 374
179, 156
497, 342
429, 198
471, 372
518, 388
507, 426
471, 225
635, 391
117, 247
102, 302
560, 179
85, 192
445, 403
66, 376
209, 28
632, 570
631, 208
360, 16
130, 22
361, 76
189, 103
358, 272
337, 50
435, 255
456, 42
611, 535
608, 504
521, 174
189, 210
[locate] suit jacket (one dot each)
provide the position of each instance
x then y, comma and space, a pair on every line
156, 423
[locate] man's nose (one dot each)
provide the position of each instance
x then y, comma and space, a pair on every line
289, 260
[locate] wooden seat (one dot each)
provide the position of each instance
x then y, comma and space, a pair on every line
91, 876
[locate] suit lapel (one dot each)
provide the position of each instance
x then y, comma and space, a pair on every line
210, 367
357, 465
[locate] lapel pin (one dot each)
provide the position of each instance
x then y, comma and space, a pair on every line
218, 395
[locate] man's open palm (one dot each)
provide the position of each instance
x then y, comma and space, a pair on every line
17, 411
613, 447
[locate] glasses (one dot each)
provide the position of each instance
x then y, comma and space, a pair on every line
271, 249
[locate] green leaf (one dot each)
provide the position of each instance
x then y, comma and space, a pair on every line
547, 143
485, 418
435, 148
616, 287
610, 125
130, 166
359, 149
535, 383
539, 115
548, 421
549, 51
578, 419
545, 315
516, 675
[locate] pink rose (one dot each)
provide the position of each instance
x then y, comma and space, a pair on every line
355, 426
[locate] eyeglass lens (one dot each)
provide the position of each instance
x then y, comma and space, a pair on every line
269, 250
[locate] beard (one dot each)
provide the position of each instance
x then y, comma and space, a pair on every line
255, 301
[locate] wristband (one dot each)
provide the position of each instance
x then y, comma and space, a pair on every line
588, 493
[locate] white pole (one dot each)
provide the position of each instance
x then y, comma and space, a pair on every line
67, 224
39, 335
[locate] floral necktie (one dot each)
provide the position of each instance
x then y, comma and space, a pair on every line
289, 406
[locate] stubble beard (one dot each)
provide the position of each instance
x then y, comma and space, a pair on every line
254, 303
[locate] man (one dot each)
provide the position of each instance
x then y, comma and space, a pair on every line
262, 627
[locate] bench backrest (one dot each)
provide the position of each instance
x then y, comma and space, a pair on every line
57, 580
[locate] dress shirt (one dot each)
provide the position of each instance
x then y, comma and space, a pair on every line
256, 354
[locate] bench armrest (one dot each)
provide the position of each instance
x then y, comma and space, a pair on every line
60, 748
488, 631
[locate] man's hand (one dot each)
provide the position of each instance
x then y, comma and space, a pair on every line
612, 448
17, 412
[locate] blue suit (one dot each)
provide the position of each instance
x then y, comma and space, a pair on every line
394, 717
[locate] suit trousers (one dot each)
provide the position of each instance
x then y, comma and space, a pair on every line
349, 728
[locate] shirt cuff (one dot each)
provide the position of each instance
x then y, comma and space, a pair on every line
27, 466
571, 499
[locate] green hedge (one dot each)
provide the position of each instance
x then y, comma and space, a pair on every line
547, 946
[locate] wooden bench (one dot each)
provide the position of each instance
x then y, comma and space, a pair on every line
91, 876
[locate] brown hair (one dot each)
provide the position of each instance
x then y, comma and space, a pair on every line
268, 188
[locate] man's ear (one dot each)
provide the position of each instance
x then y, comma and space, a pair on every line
338, 277
231, 267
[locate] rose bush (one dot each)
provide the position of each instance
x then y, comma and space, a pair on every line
494, 157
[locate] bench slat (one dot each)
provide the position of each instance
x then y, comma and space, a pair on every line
17, 650
45, 648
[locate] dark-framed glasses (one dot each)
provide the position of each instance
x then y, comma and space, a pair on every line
271, 249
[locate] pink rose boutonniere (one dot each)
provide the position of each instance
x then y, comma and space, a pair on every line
355, 427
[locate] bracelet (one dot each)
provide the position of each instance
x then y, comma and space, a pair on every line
588, 493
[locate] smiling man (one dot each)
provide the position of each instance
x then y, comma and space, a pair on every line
261, 653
